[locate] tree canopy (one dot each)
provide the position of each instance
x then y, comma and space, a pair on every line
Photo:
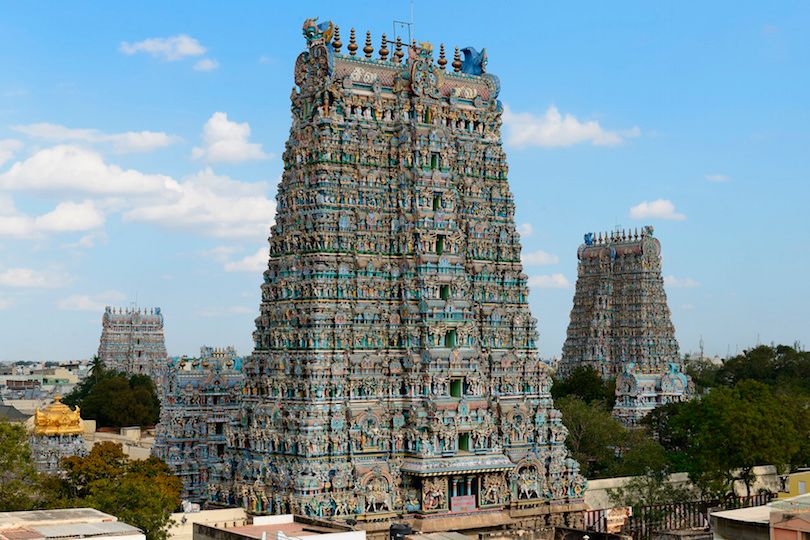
18, 478
585, 383
114, 399
141, 493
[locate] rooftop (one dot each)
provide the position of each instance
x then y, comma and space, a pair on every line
64, 524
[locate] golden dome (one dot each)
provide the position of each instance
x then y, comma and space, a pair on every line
57, 419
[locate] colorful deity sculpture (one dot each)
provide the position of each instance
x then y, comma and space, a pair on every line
620, 323
395, 371
199, 407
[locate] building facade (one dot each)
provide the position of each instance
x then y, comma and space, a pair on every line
199, 401
395, 370
132, 340
56, 433
620, 323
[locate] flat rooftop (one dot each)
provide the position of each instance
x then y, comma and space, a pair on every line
63, 524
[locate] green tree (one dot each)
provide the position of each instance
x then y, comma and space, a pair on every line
723, 436
115, 400
585, 383
18, 476
141, 493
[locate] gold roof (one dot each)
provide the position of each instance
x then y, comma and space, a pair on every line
57, 419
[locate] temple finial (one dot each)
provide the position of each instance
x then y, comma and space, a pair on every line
368, 50
456, 61
398, 54
442, 60
384, 49
336, 44
352, 43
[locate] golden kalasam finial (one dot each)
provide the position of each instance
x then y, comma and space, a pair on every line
398, 54
383, 50
456, 61
368, 50
336, 44
352, 43
442, 60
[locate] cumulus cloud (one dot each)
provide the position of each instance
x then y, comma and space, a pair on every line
206, 64
251, 263
66, 168
68, 216
91, 302
169, 49
554, 129
9, 147
227, 141
538, 258
127, 142
657, 209
679, 282
717, 177
211, 204
525, 230
550, 281
30, 278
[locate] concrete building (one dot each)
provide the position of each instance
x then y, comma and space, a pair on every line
280, 527
783, 519
795, 484
65, 524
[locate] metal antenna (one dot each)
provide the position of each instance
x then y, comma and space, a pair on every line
403, 25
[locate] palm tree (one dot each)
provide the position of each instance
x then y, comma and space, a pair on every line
97, 367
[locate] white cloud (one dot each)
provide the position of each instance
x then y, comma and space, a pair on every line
552, 281
169, 49
717, 177
538, 258
88, 240
553, 129
206, 64
88, 302
29, 278
5, 303
127, 142
226, 141
251, 263
657, 209
678, 282
66, 217
67, 168
69, 217
211, 204
9, 147
525, 230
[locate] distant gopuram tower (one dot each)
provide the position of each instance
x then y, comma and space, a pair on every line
395, 372
132, 340
620, 323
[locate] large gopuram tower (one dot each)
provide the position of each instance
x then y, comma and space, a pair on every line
395, 373
132, 340
620, 323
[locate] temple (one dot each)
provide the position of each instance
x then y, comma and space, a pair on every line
132, 340
620, 323
199, 402
395, 373
56, 433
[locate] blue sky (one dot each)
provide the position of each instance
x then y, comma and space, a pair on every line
140, 143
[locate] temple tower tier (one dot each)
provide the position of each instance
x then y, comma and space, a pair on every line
620, 323
395, 371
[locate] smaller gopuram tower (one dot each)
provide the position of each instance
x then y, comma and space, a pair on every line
200, 403
132, 340
620, 323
